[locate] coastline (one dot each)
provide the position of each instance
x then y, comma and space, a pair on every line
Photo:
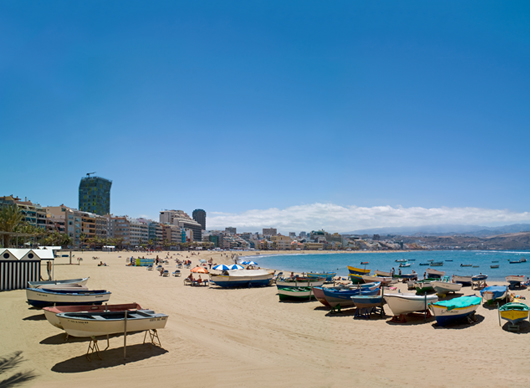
246, 337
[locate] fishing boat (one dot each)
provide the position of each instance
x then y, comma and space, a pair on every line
404, 265
515, 280
479, 278
367, 301
437, 263
65, 282
448, 260
447, 311
493, 293
41, 297
51, 312
295, 293
382, 273
466, 265
328, 276
113, 322
523, 260
423, 286
434, 273
514, 312
242, 278
385, 280
424, 263
364, 263
299, 282
401, 260
406, 276
356, 274
494, 266
404, 303
342, 297
464, 280
444, 286
319, 295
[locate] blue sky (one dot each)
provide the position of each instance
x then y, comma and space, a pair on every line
271, 111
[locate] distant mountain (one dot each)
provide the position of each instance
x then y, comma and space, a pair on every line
444, 230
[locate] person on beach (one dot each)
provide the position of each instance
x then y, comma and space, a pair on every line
400, 272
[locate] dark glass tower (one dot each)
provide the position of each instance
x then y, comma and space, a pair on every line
94, 195
199, 215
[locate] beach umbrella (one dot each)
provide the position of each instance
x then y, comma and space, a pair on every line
199, 270
221, 267
246, 262
252, 263
236, 266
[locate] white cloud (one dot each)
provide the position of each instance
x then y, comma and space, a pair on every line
335, 218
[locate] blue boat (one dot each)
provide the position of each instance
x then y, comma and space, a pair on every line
447, 311
328, 276
479, 278
342, 297
39, 297
493, 293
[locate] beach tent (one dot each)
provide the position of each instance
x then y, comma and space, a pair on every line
18, 267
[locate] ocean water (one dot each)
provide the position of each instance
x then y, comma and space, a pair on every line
384, 261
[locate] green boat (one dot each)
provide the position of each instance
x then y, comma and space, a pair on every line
356, 279
295, 293
424, 286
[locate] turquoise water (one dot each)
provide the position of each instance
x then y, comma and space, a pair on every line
384, 261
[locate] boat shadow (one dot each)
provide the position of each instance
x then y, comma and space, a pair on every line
411, 319
38, 317
460, 324
110, 358
524, 327
59, 339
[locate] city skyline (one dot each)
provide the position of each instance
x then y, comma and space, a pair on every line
296, 116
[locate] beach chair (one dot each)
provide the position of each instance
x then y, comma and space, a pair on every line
187, 282
177, 273
165, 273
150, 268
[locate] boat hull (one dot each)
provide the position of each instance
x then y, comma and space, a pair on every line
66, 283
464, 280
295, 293
434, 273
343, 297
408, 303
80, 325
319, 295
367, 301
42, 298
299, 283
242, 279
444, 316
51, 312
445, 287
493, 293
328, 276
514, 312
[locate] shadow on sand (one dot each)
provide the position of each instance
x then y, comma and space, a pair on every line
38, 317
8, 364
59, 339
461, 323
524, 327
110, 358
412, 319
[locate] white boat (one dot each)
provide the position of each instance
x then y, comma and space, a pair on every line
385, 280
404, 303
41, 297
444, 286
382, 273
69, 282
106, 323
434, 273
515, 280
242, 278
51, 312
304, 282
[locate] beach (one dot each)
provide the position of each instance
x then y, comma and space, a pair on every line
245, 337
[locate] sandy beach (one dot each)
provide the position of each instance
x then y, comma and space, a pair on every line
247, 338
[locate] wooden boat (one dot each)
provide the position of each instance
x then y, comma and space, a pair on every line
447, 311
367, 301
437, 263
106, 323
423, 286
342, 297
493, 293
514, 312
299, 282
444, 286
295, 293
404, 303
65, 282
357, 273
41, 297
328, 276
385, 280
319, 295
382, 273
242, 278
434, 273
494, 266
464, 280
51, 312
515, 280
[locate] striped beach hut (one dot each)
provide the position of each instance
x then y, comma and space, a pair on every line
18, 267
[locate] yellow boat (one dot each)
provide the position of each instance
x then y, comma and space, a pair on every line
514, 312
356, 274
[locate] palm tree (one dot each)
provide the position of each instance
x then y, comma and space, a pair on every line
10, 218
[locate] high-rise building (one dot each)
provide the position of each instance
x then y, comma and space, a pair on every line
231, 230
94, 195
199, 215
183, 220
